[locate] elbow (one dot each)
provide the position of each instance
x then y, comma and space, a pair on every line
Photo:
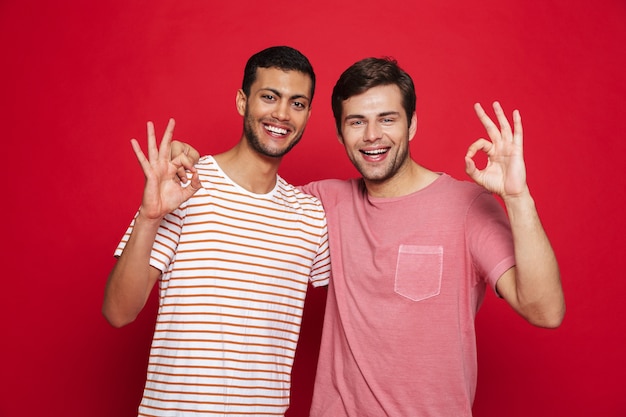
548, 320
116, 319
551, 323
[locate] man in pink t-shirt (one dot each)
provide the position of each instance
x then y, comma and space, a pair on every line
412, 252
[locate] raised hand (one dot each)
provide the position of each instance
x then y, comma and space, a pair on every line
505, 172
163, 191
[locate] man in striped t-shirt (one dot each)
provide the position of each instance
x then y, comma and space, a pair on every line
233, 250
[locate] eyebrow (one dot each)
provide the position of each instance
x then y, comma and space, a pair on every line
383, 114
279, 94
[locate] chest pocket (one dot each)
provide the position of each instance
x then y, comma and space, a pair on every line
418, 271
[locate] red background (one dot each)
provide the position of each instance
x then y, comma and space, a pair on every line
79, 79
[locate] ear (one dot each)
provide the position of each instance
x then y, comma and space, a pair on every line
241, 101
413, 126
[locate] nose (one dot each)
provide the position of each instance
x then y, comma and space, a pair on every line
281, 111
372, 133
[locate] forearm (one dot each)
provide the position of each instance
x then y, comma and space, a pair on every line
538, 292
132, 277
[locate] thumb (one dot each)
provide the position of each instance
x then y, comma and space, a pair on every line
470, 166
192, 185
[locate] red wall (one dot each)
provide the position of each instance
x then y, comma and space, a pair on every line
79, 79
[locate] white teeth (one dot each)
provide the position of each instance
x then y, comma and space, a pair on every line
276, 130
375, 152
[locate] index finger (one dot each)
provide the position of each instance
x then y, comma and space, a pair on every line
489, 125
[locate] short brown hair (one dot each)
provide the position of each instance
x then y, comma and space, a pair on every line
368, 73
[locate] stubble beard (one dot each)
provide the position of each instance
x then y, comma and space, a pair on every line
255, 142
388, 172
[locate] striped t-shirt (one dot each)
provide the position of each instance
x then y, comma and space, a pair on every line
236, 267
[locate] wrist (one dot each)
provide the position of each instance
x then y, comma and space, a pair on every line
144, 220
519, 203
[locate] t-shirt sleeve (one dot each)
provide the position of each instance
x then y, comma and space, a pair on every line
490, 238
122, 244
165, 243
320, 271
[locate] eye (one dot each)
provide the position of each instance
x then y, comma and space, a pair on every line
299, 105
268, 97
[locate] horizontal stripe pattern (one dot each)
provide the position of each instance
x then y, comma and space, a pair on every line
236, 268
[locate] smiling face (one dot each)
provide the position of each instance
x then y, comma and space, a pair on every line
276, 111
375, 132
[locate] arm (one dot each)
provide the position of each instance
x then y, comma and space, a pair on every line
132, 277
533, 286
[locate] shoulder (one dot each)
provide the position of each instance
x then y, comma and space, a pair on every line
212, 177
459, 189
449, 197
206, 162
476, 202
207, 166
296, 198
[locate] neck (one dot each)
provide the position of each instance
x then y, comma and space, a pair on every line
249, 169
411, 177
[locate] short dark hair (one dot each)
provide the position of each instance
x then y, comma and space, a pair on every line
284, 58
368, 73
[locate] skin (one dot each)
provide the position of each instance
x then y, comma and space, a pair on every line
286, 113
375, 133
278, 100
275, 115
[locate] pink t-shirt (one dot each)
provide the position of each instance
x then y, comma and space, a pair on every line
408, 276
